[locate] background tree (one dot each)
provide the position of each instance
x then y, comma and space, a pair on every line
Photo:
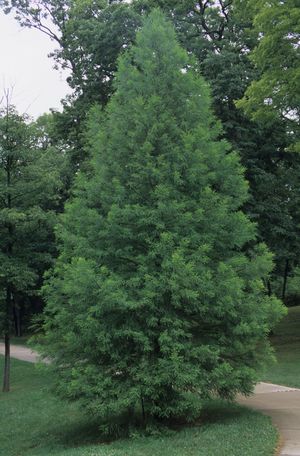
276, 93
272, 100
156, 297
30, 182
89, 35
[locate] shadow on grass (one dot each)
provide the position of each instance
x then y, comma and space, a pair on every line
82, 434
91, 432
221, 411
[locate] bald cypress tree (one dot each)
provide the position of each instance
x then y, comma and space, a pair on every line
156, 297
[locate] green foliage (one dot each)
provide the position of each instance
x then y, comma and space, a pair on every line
222, 36
30, 180
276, 93
286, 343
153, 297
272, 100
90, 35
225, 38
294, 286
217, 35
274, 175
96, 33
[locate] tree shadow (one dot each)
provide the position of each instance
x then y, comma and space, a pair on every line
85, 431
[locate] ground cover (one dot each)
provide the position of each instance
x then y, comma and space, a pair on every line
18, 340
286, 342
35, 423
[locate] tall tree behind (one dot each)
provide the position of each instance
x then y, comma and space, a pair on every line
90, 36
276, 93
153, 271
272, 100
29, 191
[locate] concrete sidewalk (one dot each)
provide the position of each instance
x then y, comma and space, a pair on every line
282, 404
20, 352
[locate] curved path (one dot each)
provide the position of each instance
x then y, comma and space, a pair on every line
281, 403
20, 352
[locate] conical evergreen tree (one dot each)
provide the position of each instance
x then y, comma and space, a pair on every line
156, 296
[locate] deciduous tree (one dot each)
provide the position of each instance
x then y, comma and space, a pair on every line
275, 94
30, 181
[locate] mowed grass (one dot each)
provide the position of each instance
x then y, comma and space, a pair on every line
35, 423
286, 342
17, 340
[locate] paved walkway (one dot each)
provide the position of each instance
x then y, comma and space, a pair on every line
20, 352
281, 403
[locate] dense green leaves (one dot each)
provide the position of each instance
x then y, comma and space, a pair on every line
156, 294
90, 35
30, 182
276, 93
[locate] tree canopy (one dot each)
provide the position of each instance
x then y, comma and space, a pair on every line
276, 93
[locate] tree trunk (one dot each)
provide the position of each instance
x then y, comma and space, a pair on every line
143, 410
6, 373
285, 276
17, 320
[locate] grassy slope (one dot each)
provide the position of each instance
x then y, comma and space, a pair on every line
34, 423
286, 341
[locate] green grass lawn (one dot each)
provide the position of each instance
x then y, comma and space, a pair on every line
35, 423
17, 340
286, 341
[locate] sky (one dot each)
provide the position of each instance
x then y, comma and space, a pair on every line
25, 66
